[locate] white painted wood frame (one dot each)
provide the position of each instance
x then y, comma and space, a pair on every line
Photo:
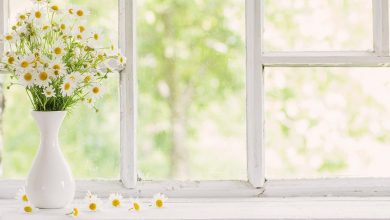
381, 27
128, 93
254, 93
256, 61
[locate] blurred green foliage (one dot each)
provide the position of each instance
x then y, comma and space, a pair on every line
191, 81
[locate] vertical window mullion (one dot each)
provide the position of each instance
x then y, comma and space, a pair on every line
254, 93
128, 90
381, 27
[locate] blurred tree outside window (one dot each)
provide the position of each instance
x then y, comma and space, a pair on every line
319, 121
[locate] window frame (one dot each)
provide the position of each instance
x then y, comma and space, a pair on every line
256, 61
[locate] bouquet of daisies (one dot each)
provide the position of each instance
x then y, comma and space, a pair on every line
57, 58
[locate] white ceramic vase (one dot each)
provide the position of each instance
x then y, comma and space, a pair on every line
50, 183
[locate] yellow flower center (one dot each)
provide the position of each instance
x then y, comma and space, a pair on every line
79, 36
121, 59
81, 29
11, 60
75, 212
56, 66
80, 13
24, 64
87, 79
27, 77
159, 203
43, 76
96, 90
136, 206
48, 93
116, 202
9, 37
57, 50
70, 11
63, 26
27, 209
45, 27
92, 206
24, 197
96, 36
67, 86
38, 14
22, 17
55, 8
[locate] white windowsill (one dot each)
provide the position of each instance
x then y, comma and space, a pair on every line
251, 208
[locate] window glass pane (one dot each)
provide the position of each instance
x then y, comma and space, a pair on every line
307, 25
89, 140
327, 122
191, 60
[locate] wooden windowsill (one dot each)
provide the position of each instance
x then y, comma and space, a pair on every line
244, 208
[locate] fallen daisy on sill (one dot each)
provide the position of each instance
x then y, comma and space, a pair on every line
159, 200
74, 213
115, 199
135, 205
21, 195
27, 207
93, 202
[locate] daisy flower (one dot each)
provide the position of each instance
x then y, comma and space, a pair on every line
22, 17
45, 28
27, 78
11, 38
27, 207
74, 213
70, 10
80, 36
87, 77
93, 202
89, 102
21, 195
74, 77
58, 67
54, 8
43, 77
24, 62
115, 199
49, 92
135, 205
9, 58
95, 39
58, 48
65, 28
96, 90
80, 12
67, 88
38, 15
89, 195
159, 200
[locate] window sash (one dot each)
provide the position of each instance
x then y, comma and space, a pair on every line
257, 60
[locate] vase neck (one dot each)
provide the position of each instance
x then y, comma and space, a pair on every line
49, 124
